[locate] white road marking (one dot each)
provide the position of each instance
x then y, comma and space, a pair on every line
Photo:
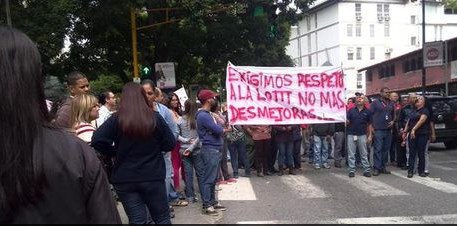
241, 190
445, 168
371, 186
430, 182
263, 222
303, 187
434, 219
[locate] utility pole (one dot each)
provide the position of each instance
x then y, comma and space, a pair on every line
134, 45
8, 14
423, 48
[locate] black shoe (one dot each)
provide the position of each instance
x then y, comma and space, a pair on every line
375, 172
337, 164
351, 174
220, 207
367, 174
422, 175
410, 174
268, 173
427, 174
404, 168
292, 172
384, 171
281, 172
247, 175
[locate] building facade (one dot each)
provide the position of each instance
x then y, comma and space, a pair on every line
355, 34
403, 74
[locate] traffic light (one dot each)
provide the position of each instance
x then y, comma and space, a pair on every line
145, 70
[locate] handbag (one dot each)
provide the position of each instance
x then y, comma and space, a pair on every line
235, 135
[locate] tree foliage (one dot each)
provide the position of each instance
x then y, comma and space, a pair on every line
206, 35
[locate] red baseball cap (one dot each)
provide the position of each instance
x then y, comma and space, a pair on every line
206, 94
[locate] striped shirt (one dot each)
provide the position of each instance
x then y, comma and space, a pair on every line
84, 131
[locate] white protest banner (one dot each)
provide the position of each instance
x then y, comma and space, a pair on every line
165, 75
285, 95
182, 95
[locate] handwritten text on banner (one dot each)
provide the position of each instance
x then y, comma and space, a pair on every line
285, 95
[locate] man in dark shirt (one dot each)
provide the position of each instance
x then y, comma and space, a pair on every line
358, 120
382, 120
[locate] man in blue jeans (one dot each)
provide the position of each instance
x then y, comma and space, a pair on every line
211, 137
382, 120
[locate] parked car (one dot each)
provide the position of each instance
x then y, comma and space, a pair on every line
445, 118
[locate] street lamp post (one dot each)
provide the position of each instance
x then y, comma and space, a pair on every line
423, 47
8, 15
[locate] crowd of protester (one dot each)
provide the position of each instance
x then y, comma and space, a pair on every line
59, 162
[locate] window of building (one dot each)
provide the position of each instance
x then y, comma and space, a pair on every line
315, 20
386, 10
413, 40
450, 11
420, 63
308, 23
350, 53
372, 30
386, 71
359, 84
372, 53
358, 30
386, 30
349, 30
453, 53
406, 66
413, 19
359, 53
358, 11
379, 11
413, 65
369, 75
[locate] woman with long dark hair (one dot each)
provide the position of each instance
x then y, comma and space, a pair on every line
140, 135
47, 176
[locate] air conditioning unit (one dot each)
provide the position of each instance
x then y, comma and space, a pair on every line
358, 17
387, 17
379, 18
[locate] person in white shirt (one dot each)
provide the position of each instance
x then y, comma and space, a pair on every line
108, 102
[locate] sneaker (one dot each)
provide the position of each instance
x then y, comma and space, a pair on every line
367, 174
292, 172
351, 174
260, 174
220, 207
221, 182
422, 175
427, 174
327, 166
210, 211
375, 172
338, 164
317, 167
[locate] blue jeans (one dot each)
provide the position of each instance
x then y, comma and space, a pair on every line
382, 141
361, 145
191, 162
286, 154
238, 149
171, 192
211, 158
320, 150
138, 198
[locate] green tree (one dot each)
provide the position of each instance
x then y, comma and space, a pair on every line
46, 23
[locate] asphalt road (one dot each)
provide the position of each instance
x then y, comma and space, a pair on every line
330, 196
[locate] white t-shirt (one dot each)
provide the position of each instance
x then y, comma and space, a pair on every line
103, 115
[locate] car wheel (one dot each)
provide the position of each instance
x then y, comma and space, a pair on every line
450, 144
